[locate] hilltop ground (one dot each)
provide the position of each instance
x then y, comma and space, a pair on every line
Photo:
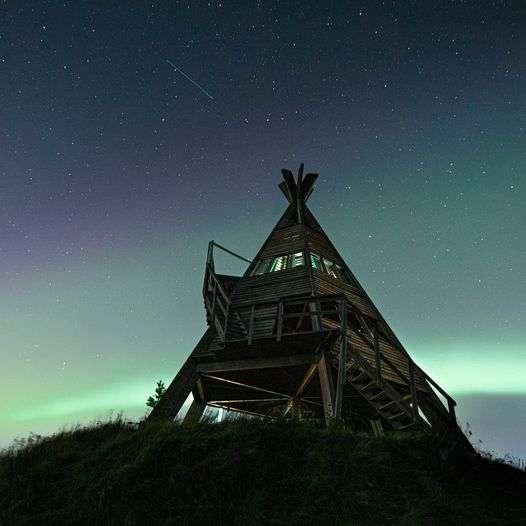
252, 472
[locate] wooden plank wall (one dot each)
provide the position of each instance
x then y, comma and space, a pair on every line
325, 284
284, 241
318, 243
272, 286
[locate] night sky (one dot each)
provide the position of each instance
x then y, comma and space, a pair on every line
116, 170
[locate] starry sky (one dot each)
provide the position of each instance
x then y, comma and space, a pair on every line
116, 171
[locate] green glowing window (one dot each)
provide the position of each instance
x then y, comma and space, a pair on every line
277, 263
315, 261
327, 266
333, 269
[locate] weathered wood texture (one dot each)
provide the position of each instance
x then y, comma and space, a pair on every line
318, 242
268, 287
283, 241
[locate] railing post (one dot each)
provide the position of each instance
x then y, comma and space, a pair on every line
214, 292
279, 329
210, 254
414, 393
342, 362
316, 319
227, 314
251, 324
451, 406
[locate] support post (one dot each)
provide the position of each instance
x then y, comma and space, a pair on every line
295, 407
279, 328
316, 319
181, 386
177, 393
327, 391
195, 412
251, 324
451, 406
414, 394
214, 292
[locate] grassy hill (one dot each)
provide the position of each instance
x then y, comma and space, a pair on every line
251, 472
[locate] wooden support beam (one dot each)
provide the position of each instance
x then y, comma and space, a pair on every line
230, 252
412, 386
181, 386
327, 390
316, 318
279, 328
244, 401
257, 363
218, 328
451, 406
253, 387
214, 294
195, 412
251, 324
177, 393
200, 389
295, 406
243, 411
311, 371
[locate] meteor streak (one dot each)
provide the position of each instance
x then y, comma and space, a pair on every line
191, 80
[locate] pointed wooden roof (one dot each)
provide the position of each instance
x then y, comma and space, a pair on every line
297, 192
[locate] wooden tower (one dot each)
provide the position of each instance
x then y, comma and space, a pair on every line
297, 334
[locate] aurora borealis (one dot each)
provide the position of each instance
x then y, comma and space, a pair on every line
115, 172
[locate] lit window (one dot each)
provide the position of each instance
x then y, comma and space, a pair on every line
297, 260
277, 263
262, 267
315, 261
327, 266
333, 269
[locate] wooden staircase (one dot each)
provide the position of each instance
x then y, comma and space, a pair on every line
393, 408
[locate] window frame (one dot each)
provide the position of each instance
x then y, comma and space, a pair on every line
340, 273
270, 263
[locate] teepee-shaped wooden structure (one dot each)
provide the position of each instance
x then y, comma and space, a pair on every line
297, 334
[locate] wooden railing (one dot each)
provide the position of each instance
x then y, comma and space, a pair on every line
217, 300
322, 314
328, 313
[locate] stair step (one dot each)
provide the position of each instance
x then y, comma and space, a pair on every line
397, 415
366, 386
356, 378
377, 395
380, 408
360, 381
405, 426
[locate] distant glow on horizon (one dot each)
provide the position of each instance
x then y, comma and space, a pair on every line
457, 376
116, 397
486, 375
